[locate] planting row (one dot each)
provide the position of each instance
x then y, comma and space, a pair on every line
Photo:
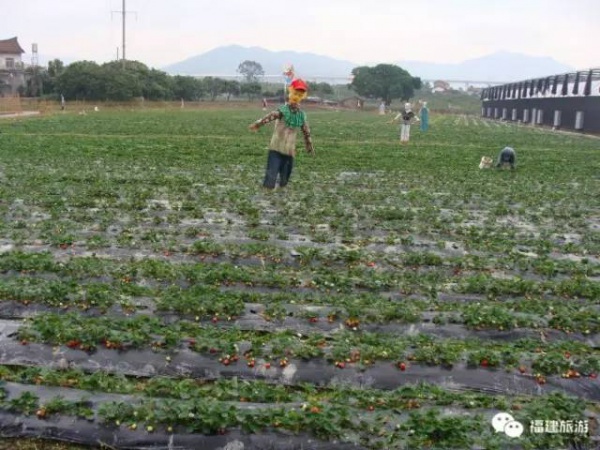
371, 422
568, 358
23, 290
428, 282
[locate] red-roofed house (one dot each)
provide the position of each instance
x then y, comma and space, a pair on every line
440, 86
12, 74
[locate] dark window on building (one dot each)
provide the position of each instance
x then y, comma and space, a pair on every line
587, 90
576, 84
555, 85
10, 63
546, 85
565, 86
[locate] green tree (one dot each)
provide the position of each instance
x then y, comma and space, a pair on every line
251, 71
82, 80
252, 90
232, 87
384, 81
120, 83
55, 68
187, 88
150, 84
214, 86
320, 89
158, 86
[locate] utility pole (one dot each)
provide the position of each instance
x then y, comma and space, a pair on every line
124, 11
123, 20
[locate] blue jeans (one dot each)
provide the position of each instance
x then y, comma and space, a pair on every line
278, 164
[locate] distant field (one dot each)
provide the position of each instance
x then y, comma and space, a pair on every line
390, 298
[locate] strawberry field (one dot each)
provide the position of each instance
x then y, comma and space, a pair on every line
153, 295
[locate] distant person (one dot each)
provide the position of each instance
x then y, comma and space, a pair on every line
282, 149
62, 102
382, 109
506, 158
424, 114
407, 116
264, 104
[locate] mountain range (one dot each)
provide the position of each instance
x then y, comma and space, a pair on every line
501, 66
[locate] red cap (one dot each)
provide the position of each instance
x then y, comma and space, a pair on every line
299, 85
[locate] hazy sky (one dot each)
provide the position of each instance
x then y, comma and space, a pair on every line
161, 32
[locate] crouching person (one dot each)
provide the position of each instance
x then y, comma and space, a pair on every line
507, 157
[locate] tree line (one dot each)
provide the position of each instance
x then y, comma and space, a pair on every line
125, 81
115, 81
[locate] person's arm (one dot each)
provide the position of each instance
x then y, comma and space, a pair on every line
395, 118
307, 138
273, 115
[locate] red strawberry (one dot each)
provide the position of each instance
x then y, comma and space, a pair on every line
73, 343
267, 365
593, 375
402, 366
522, 369
484, 363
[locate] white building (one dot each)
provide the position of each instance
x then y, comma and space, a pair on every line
12, 69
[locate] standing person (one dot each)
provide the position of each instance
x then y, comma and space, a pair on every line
282, 148
424, 113
382, 109
264, 104
62, 102
407, 117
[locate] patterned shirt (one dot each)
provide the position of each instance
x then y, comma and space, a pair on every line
289, 118
407, 117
